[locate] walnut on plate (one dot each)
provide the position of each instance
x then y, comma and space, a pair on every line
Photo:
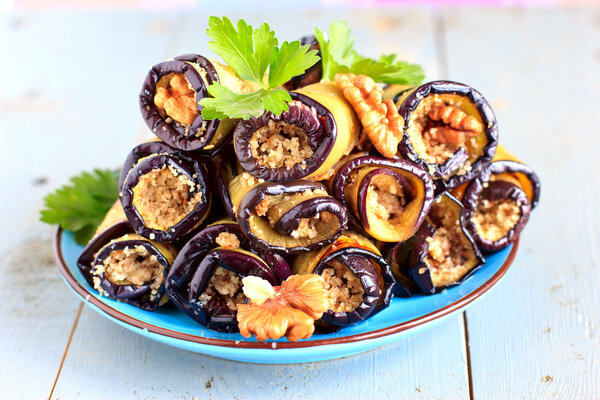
288, 310
380, 119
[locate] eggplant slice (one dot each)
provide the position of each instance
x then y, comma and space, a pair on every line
205, 281
450, 130
163, 191
388, 198
289, 217
358, 279
306, 141
311, 75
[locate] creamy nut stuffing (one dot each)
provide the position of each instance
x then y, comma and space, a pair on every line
175, 98
343, 287
385, 198
163, 197
225, 284
131, 266
279, 145
228, 240
494, 219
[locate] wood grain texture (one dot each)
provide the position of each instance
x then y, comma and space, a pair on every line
538, 336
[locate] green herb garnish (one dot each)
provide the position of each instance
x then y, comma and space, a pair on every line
249, 52
338, 56
81, 206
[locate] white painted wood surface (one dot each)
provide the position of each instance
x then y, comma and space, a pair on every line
535, 337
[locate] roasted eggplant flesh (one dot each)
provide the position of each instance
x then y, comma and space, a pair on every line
444, 249
305, 141
291, 217
389, 199
450, 128
164, 194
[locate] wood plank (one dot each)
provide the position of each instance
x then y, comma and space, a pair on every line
60, 103
538, 335
428, 365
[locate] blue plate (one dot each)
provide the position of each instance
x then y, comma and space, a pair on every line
169, 325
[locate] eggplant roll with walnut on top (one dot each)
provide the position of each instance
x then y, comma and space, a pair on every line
169, 102
289, 217
388, 198
449, 129
163, 191
442, 253
357, 278
498, 201
304, 142
206, 279
125, 266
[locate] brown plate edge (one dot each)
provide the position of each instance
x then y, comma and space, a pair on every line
460, 303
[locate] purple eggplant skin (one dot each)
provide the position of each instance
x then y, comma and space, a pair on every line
321, 130
418, 269
156, 155
397, 257
289, 221
440, 171
311, 75
195, 264
343, 173
358, 262
222, 170
497, 190
138, 296
87, 256
177, 135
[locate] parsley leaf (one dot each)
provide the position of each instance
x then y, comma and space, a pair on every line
81, 206
338, 56
250, 52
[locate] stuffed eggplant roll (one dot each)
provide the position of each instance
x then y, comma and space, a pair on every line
289, 217
388, 198
499, 201
358, 280
442, 253
449, 129
163, 191
206, 279
169, 102
311, 75
306, 141
125, 266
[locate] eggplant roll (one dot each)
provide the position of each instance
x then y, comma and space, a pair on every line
498, 202
442, 253
163, 191
449, 129
125, 266
205, 281
169, 102
357, 278
306, 141
289, 217
311, 75
388, 198
224, 168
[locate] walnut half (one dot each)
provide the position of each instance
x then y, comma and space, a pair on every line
288, 310
177, 100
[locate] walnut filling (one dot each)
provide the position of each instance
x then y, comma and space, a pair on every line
164, 196
131, 266
343, 287
273, 208
228, 240
385, 198
494, 219
279, 145
226, 285
439, 128
175, 99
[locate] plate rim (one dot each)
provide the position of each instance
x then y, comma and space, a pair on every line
169, 333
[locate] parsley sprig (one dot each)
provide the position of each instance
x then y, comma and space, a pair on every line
81, 205
250, 52
338, 56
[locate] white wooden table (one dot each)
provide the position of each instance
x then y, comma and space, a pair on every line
68, 101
